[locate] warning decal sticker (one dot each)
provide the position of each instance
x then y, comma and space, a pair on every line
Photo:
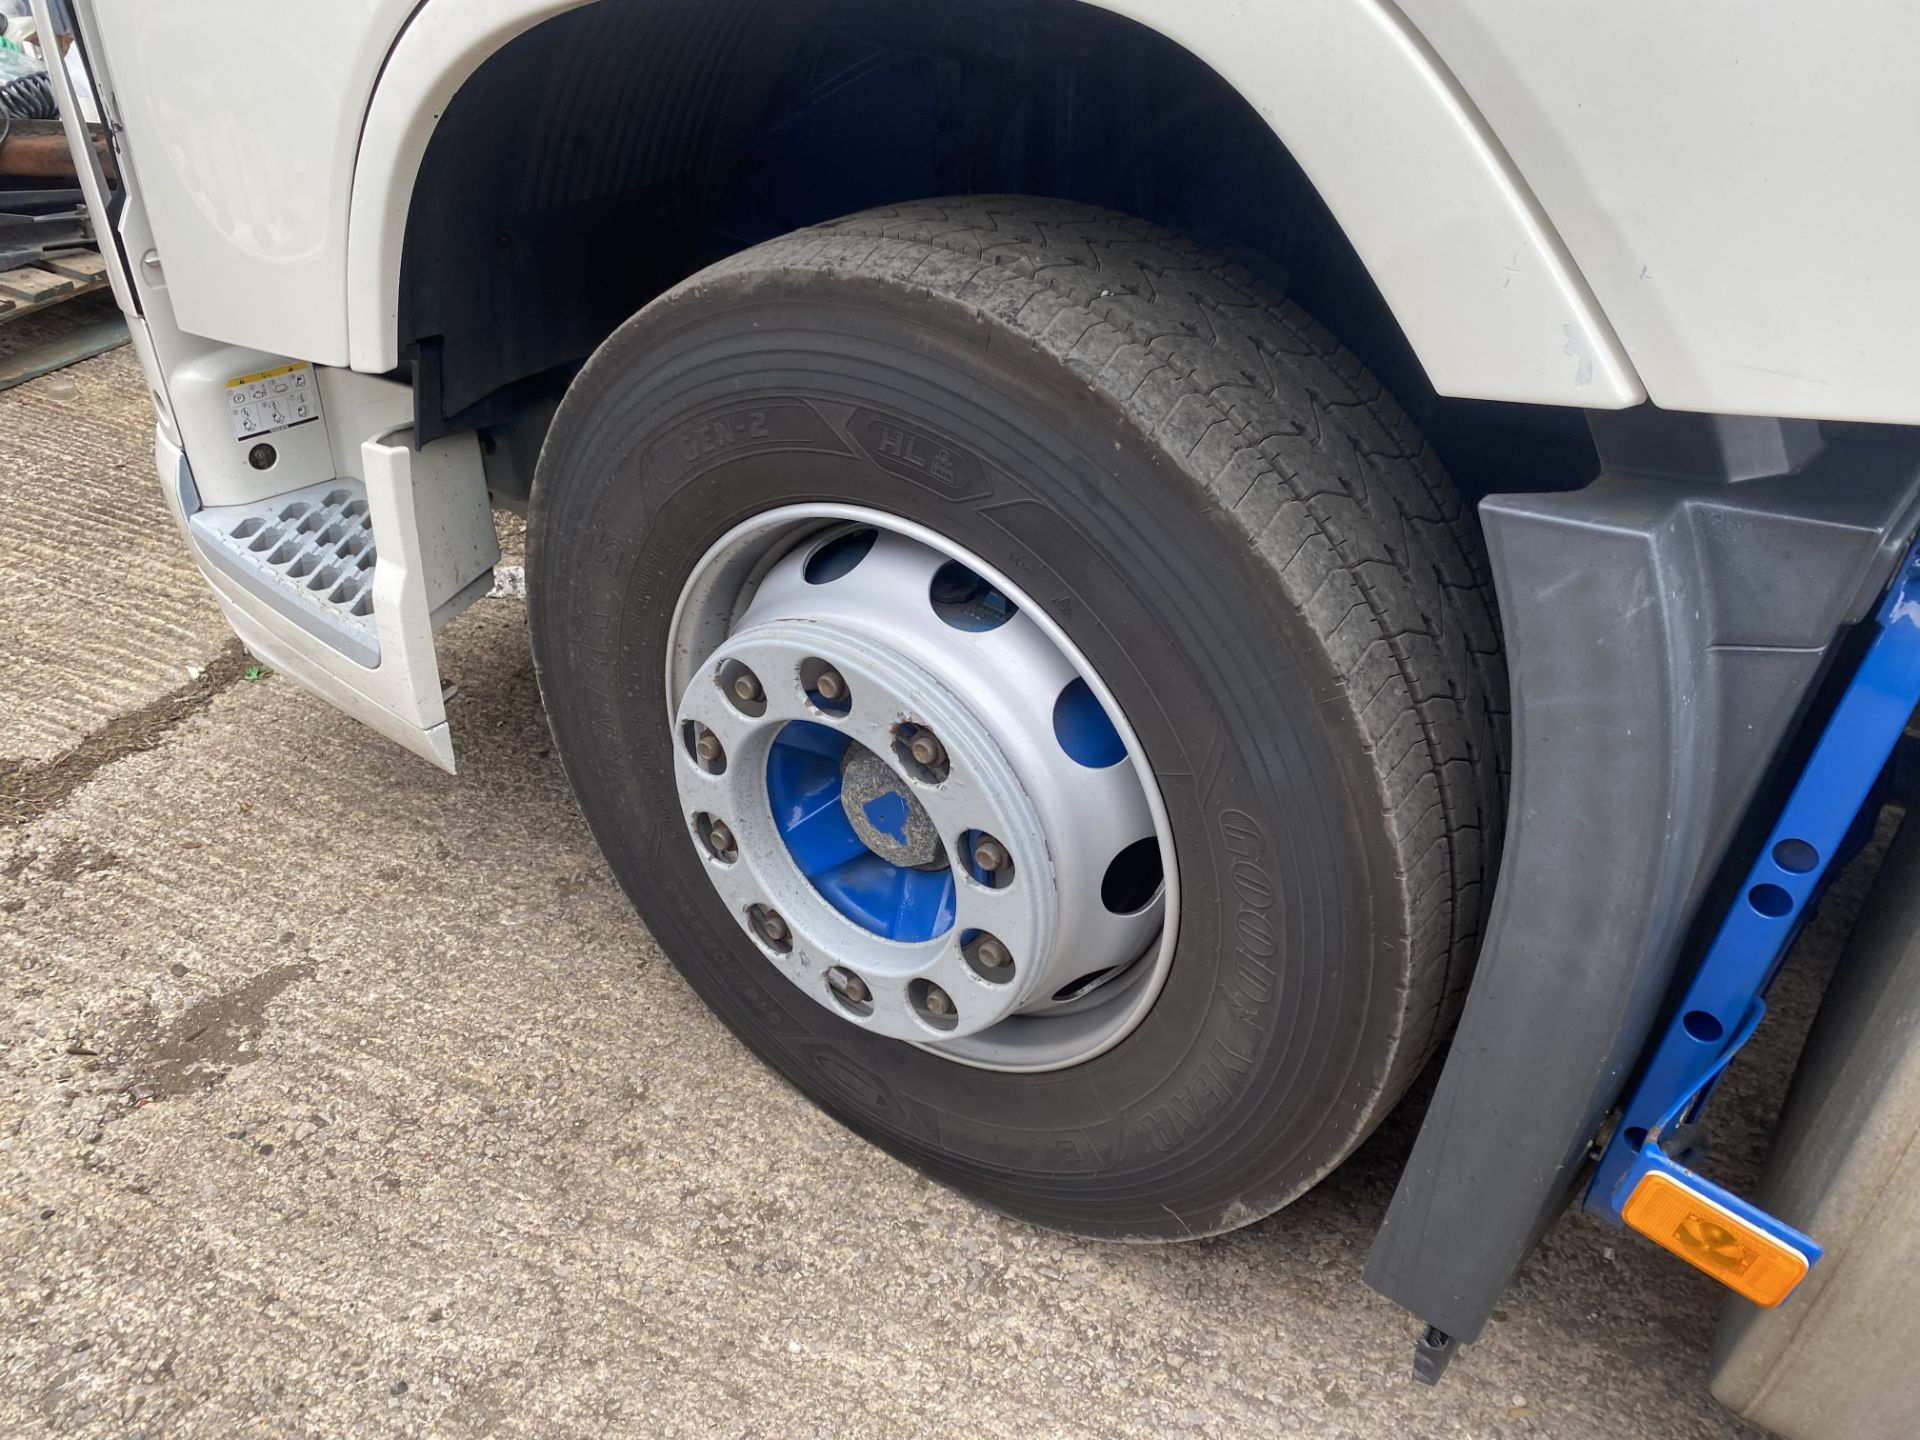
271, 400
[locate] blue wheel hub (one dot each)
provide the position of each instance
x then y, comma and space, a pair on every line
807, 770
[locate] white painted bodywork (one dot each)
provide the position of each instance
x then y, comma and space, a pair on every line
1482, 288
1709, 204
1735, 179
364, 436
244, 122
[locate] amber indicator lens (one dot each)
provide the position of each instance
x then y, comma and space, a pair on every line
1711, 1238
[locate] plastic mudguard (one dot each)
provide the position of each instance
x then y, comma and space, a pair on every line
1665, 628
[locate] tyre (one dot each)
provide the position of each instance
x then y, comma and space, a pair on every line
1041, 694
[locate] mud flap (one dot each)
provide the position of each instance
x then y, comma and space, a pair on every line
1666, 627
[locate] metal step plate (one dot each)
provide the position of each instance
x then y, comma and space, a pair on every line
309, 554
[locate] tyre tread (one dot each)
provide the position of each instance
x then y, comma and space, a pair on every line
1323, 472
1303, 456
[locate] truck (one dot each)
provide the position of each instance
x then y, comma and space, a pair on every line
1118, 580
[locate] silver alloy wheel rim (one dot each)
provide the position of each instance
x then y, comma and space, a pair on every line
1081, 975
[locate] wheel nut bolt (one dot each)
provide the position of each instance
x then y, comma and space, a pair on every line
774, 928
990, 855
747, 687
927, 749
721, 839
831, 685
938, 1001
707, 747
992, 954
848, 984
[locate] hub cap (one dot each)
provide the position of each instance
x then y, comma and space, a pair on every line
914, 794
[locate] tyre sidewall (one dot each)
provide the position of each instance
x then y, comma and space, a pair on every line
1250, 1076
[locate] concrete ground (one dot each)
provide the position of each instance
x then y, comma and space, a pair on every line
343, 1098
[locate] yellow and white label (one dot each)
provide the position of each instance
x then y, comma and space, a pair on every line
271, 400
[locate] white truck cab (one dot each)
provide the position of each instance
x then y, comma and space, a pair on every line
1105, 571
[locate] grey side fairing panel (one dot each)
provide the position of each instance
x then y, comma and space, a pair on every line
1666, 627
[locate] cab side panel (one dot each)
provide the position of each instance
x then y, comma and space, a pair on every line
278, 146
243, 122
1735, 182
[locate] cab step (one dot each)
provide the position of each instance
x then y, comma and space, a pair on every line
309, 554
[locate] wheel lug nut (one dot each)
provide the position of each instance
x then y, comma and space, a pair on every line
747, 686
720, 838
938, 1001
989, 959
708, 747
774, 928
831, 685
919, 750
847, 984
990, 855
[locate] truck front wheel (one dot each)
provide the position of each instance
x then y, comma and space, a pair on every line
1041, 694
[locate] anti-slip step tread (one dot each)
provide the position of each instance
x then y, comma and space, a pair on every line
309, 553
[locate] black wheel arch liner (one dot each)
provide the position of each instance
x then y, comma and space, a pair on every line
1666, 627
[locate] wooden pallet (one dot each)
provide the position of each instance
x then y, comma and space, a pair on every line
51, 279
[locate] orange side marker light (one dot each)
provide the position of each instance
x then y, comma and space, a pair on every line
1713, 1239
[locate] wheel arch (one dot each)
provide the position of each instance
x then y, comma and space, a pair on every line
1476, 282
